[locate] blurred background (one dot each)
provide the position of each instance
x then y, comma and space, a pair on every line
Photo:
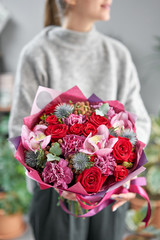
136, 24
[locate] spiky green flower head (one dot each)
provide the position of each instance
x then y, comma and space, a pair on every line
127, 133
81, 161
35, 159
63, 110
31, 158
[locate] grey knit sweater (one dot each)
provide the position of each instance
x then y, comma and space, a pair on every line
61, 58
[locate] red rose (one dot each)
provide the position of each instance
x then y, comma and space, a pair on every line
122, 149
98, 120
52, 119
57, 131
120, 172
132, 157
92, 158
76, 129
50, 108
91, 179
89, 128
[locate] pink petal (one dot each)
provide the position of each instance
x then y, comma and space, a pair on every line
86, 151
25, 132
26, 144
111, 142
132, 117
103, 152
103, 130
86, 144
39, 127
34, 145
124, 116
92, 145
62, 163
46, 141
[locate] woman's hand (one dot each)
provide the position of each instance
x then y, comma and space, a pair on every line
68, 195
122, 198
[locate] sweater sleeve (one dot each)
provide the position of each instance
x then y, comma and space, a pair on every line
134, 103
28, 78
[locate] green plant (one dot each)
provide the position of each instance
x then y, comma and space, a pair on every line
134, 223
4, 126
152, 151
12, 177
134, 218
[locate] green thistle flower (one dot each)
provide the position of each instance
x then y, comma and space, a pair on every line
41, 159
63, 110
131, 135
35, 159
80, 161
31, 158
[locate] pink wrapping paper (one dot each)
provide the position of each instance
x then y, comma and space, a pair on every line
74, 94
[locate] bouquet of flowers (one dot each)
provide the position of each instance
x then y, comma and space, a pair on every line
85, 146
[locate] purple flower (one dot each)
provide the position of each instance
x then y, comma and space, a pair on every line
58, 174
73, 118
106, 164
72, 144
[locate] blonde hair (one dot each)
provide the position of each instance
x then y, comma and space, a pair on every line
54, 12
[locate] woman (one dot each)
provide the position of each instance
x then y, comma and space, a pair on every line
60, 57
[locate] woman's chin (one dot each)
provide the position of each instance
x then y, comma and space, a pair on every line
105, 17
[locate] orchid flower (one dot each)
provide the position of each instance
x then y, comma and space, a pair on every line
123, 120
35, 139
99, 144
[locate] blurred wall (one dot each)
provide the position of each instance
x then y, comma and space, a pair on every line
135, 23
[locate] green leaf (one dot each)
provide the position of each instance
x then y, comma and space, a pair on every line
98, 112
127, 164
43, 117
55, 149
41, 155
51, 157
41, 159
103, 110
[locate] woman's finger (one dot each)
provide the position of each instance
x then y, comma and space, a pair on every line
127, 185
123, 196
69, 196
117, 205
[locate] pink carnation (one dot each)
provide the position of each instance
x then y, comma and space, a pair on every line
106, 164
73, 118
58, 174
111, 113
72, 144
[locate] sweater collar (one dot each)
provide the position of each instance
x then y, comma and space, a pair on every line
75, 39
